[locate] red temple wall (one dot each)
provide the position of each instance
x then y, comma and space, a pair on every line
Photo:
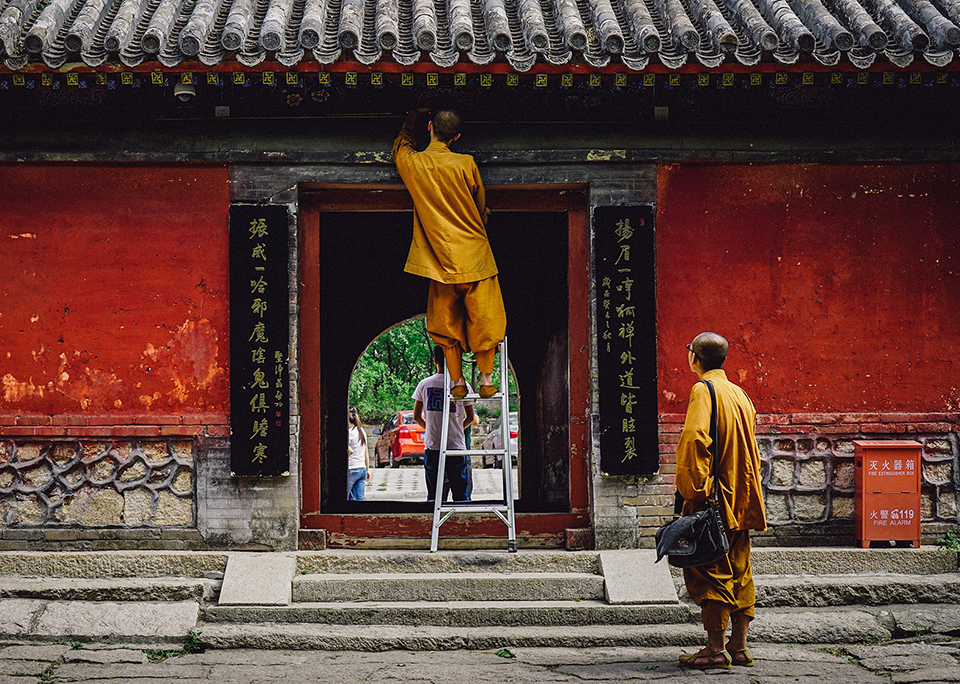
837, 286
114, 290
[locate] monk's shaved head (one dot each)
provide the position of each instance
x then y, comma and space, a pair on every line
711, 349
446, 125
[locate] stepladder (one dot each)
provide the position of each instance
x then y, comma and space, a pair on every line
503, 509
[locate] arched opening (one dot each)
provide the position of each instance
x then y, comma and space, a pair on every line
381, 389
353, 288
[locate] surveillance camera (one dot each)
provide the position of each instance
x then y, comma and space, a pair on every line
184, 92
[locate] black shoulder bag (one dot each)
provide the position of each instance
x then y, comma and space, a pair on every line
700, 538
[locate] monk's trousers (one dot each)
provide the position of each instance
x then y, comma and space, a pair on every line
465, 317
724, 588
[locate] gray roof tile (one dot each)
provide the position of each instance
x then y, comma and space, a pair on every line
524, 33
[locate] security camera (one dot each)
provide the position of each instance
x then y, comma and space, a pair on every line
184, 92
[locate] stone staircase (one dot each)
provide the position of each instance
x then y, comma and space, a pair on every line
414, 600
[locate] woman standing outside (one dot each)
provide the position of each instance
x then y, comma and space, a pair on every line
356, 457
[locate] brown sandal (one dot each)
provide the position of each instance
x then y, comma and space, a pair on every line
690, 660
747, 657
487, 391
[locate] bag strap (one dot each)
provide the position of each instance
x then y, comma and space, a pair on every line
714, 436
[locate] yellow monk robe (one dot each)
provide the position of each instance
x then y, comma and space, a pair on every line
725, 587
450, 247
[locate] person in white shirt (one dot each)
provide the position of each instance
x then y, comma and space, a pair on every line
357, 474
428, 411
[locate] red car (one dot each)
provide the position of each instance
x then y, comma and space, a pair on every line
400, 441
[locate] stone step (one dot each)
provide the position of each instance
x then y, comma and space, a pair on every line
927, 560
878, 589
862, 590
388, 561
448, 586
790, 626
197, 564
455, 613
108, 589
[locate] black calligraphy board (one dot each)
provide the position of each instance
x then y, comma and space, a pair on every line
259, 341
626, 339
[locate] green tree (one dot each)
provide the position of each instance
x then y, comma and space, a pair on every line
389, 369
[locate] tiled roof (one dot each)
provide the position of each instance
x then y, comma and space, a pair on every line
524, 33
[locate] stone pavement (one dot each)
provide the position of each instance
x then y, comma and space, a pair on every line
903, 662
407, 484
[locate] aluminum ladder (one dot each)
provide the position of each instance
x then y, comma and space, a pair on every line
505, 510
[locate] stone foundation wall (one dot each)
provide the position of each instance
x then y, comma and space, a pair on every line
808, 478
86, 487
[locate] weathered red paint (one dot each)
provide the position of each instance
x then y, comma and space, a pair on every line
114, 289
835, 285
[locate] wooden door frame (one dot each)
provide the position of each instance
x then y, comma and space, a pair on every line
533, 529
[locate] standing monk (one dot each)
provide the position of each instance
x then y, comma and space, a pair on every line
450, 247
724, 589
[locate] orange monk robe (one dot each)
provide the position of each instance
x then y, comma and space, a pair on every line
725, 587
450, 247
449, 213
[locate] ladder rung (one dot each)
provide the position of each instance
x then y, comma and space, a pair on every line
466, 507
476, 452
476, 397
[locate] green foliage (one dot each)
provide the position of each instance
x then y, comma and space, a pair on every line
389, 370
194, 643
506, 653
949, 542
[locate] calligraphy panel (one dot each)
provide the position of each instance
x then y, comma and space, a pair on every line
626, 339
259, 341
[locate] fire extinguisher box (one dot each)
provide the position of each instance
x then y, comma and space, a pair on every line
887, 501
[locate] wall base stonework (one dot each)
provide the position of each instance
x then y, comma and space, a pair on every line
808, 478
70, 484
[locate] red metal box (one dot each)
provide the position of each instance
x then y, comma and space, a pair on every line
887, 499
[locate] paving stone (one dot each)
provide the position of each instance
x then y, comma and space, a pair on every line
16, 615
47, 652
104, 619
104, 657
939, 675
165, 671
33, 668
908, 663
257, 579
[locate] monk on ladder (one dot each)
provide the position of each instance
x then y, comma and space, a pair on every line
450, 247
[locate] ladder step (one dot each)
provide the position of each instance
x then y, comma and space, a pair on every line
476, 397
476, 452
467, 507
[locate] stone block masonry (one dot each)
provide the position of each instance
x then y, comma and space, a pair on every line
808, 478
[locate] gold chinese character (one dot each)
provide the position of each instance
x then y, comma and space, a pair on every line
624, 230
625, 287
259, 252
259, 429
626, 380
258, 307
259, 403
258, 286
629, 425
624, 311
629, 449
627, 358
626, 332
260, 453
259, 334
628, 400
259, 355
258, 228
259, 379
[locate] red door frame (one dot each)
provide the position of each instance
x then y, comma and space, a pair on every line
533, 529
